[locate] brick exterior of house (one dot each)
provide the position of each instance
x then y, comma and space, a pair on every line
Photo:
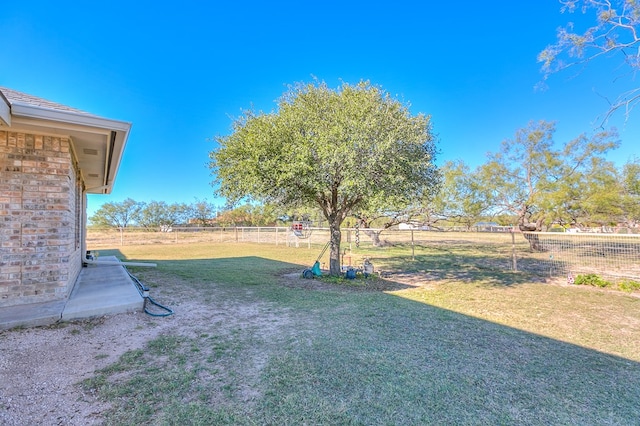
41, 218
51, 156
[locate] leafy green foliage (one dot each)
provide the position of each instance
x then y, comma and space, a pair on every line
249, 215
202, 212
156, 215
533, 180
463, 197
117, 215
356, 143
597, 281
344, 150
162, 216
592, 280
631, 192
629, 285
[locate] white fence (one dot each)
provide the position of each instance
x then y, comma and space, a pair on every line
615, 257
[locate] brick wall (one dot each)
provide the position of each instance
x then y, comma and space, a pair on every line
40, 218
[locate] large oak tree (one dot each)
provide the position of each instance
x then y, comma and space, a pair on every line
344, 150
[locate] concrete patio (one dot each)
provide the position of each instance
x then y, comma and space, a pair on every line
99, 290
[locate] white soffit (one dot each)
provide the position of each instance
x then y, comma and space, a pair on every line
98, 142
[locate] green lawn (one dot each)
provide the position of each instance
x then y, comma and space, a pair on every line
253, 344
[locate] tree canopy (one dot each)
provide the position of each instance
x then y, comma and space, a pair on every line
464, 198
154, 215
117, 215
162, 216
344, 150
529, 176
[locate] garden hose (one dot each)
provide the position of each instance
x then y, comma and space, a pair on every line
144, 292
166, 313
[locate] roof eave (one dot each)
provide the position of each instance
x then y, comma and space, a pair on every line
70, 122
118, 142
70, 117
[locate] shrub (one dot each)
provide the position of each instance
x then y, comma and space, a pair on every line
629, 285
591, 279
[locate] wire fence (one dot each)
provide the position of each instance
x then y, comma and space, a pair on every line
614, 257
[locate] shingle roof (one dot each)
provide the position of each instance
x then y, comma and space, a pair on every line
15, 97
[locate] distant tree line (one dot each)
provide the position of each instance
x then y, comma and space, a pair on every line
531, 182
161, 216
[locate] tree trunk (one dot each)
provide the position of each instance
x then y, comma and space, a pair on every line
334, 249
374, 235
534, 241
527, 229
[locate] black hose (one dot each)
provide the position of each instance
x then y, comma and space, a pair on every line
144, 292
166, 313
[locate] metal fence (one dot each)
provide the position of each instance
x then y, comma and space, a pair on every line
615, 257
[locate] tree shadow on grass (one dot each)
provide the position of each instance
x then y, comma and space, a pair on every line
489, 268
411, 363
458, 267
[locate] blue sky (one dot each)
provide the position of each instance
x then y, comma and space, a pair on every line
179, 71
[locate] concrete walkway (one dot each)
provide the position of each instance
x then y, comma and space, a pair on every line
99, 290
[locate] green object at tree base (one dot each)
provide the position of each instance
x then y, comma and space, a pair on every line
316, 269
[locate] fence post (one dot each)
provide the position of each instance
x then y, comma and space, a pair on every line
236, 229
276, 236
513, 251
413, 248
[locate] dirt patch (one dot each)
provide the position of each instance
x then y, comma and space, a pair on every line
40, 368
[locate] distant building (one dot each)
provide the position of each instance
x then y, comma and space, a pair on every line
414, 225
51, 156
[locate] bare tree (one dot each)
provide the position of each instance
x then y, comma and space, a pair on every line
614, 36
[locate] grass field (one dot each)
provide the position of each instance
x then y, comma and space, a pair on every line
442, 339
